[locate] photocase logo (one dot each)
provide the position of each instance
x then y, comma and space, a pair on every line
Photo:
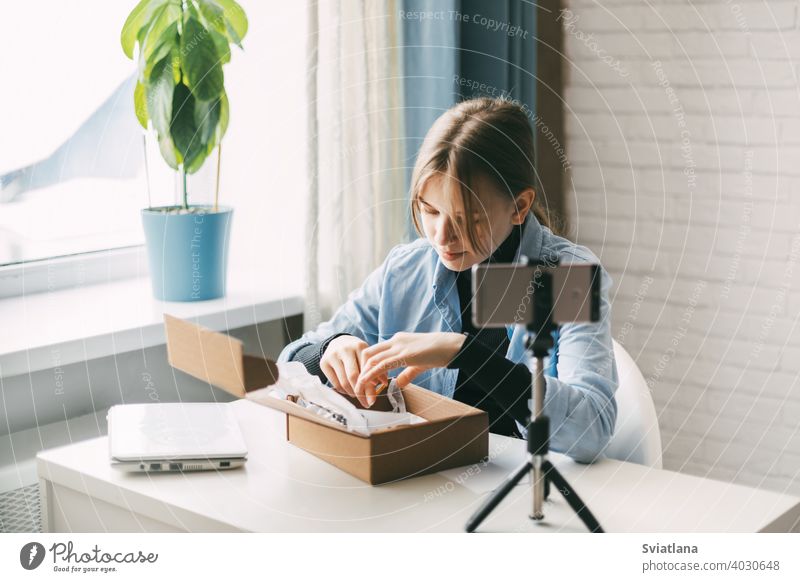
31, 555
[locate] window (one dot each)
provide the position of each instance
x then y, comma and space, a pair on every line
72, 172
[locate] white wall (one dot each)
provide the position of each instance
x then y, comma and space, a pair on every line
264, 152
683, 134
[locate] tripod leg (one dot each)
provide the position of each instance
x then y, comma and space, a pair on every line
575, 502
497, 496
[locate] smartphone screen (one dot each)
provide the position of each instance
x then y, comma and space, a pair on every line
503, 293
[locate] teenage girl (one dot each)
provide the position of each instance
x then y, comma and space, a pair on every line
472, 201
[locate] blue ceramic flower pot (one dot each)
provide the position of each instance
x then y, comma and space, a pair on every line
187, 253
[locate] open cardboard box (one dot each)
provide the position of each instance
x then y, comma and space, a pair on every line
455, 434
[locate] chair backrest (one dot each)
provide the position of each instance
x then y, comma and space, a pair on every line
636, 437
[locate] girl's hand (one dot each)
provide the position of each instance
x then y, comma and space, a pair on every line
416, 352
342, 361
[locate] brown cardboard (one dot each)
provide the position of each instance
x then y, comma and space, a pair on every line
456, 434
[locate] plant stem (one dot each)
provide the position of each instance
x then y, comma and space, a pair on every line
185, 193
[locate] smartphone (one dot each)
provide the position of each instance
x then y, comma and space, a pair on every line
503, 293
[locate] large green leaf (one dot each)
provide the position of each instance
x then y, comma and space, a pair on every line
185, 133
213, 15
164, 18
200, 63
222, 46
140, 104
236, 18
226, 17
137, 19
168, 42
206, 118
160, 88
168, 151
197, 162
224, 115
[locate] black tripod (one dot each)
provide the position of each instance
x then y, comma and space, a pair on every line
538, 341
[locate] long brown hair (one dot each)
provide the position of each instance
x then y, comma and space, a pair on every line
486, 137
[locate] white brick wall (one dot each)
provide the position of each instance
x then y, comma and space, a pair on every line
683, 134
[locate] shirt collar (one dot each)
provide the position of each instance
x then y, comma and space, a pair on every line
532, 237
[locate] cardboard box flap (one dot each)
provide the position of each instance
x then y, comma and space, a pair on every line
216, 358
259, 372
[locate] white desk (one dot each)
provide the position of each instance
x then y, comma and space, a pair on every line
283, 488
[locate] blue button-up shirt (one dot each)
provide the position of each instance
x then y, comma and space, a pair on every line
413, 291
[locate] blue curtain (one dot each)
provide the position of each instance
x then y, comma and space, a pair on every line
430, 65
457, 49
497, 48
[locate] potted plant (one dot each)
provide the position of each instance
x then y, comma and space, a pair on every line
180, 93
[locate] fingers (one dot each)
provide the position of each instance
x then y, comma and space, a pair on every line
351, 370
368, 385
381, 381
386, 360
362, 360
364, 389
365, 394
371, 351
371, 380
343, 370
406, 376
370, 376
358, 370
334, 370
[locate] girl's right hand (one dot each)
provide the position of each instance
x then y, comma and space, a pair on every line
342, 362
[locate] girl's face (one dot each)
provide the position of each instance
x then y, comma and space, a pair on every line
443, 221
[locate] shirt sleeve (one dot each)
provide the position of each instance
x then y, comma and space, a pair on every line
580, 403
507, 383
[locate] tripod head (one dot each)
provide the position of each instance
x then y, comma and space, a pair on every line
539, 339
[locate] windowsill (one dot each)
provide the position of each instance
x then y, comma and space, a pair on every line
46, 330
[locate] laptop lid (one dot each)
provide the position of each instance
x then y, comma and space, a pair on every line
174, 431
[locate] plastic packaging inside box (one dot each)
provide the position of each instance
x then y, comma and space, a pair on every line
306, 390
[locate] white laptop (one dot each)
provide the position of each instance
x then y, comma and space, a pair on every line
180, 436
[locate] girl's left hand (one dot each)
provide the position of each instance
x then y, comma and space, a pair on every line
416, 352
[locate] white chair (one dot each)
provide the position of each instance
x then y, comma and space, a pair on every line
636, 436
